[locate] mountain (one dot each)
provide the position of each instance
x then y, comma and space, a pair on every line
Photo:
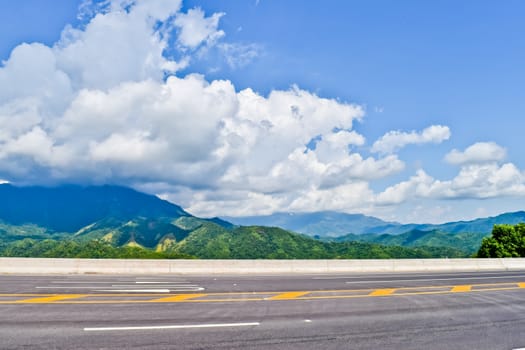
111, 221
324, 224
260, 242
333, 224
118, 215
467, 242
70, 208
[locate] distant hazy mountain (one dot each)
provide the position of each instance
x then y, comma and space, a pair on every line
333, 224
324, 224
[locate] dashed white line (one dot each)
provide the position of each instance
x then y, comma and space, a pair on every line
434, 279
186, 326
481, 274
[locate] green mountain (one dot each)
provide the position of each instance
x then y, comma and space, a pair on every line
467, 242
111, 221
260, 242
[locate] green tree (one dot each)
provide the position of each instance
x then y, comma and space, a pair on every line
507, 241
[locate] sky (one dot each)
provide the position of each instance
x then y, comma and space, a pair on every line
409, 111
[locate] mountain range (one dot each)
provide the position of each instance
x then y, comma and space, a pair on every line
333, 224
62, 221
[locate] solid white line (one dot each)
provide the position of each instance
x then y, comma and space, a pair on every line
247, 324
149, 290
83, 282
175, 288
435, 279
135, 290
167, 286
68, 287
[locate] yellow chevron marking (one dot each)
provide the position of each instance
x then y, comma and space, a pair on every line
176, 298
461, 289
381, 292
288, 296
50, 299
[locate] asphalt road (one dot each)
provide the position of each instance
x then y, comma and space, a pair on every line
346, 311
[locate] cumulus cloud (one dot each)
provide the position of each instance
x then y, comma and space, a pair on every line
474, 181
480, 152
106, 104
195, 28
120, 44
392, 141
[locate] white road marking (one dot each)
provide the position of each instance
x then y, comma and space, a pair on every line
211, 325
112, 288
403, 275
434, 279
149, 290
167, 286
136, 290
84, 282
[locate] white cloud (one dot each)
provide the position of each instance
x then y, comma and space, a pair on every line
105, 104
395, 140
191, 135
122, 44
196, 29
481, 152
478, 181
239, 55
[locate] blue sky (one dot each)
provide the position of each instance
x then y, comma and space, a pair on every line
418, 106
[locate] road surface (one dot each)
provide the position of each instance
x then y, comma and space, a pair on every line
341, 311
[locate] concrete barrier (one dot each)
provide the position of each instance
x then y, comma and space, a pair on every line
124, 266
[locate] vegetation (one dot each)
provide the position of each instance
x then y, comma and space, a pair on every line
464, 244
259, 242
507, 241
95, 249
116, 222
211, 241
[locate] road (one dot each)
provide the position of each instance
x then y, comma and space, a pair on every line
342, 311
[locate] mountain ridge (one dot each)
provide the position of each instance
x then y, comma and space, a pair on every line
49, 221
358, 224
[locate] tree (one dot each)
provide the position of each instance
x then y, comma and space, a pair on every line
507, 241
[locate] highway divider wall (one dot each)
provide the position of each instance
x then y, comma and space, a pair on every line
132, 266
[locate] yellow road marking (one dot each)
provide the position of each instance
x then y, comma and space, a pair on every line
117, 298
381, 292
177, 298
461, 289
288, 296
50, 299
